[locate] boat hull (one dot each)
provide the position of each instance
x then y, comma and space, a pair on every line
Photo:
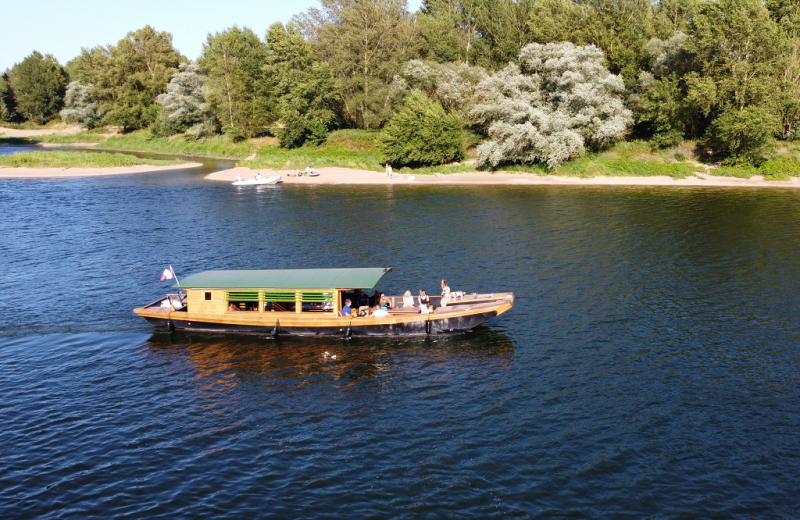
419, 327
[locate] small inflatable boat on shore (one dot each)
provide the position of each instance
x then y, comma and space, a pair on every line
251, 182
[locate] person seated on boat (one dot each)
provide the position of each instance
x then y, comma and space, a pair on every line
379, 312
408, 300
346, 310
445, 293
384, 302
258, 176
424, 300
233, 307
374, 299
239, 178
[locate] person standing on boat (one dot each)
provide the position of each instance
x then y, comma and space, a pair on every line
389, 171
445, 293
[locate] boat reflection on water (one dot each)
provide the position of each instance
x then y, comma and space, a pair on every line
229, 360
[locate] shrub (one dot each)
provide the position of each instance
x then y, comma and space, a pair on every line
421, 134
549, 107
744, 135
80, 106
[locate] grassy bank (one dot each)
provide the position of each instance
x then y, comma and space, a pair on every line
344, 148
356, 149
57, 159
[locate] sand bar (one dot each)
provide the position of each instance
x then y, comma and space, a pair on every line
350, 176
12, 132
29, 173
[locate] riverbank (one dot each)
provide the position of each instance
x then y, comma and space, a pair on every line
81, 164
347, 176
31, 173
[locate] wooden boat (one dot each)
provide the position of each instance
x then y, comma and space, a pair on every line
309, 302
253, 182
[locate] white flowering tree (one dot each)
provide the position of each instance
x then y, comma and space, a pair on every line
184, 103
80, 106
451, 84
559, 99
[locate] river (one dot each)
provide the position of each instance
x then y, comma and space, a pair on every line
649, 367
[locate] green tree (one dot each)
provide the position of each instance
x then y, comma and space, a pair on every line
38, 84
128, 77
234, 62
365, 42
421, 134
743, 135
7, 112
304, 87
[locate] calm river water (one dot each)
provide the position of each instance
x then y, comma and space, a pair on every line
648, 369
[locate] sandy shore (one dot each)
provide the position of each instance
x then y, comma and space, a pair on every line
28, 173
348, 176
11, 132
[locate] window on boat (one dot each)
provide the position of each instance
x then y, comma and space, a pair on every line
318, 301
279, 301
242, 300
207, 296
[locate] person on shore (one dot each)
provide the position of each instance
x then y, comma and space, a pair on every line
346, 310
258, 176
389, 172
445, 293
408, 300
379, 312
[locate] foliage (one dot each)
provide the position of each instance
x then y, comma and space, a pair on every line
548, 108
128, 77
372, 39
422, 134
743, 135
7, 106
80, 106
234, 62
453, 85
305, 88
74, 160
184, 103
38, 84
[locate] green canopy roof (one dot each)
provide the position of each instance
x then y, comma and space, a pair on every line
286, 279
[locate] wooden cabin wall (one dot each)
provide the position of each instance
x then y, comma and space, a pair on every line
196, 301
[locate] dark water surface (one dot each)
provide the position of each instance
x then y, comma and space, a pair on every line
649, 367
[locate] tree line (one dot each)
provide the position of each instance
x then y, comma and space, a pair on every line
539, 80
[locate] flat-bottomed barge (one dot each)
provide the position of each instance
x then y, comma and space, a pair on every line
310, 302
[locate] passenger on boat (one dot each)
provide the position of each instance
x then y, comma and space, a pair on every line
346, 310
384, 302
424, 301
239, 178
258, 176
445, 293
374, 299
379, 312
232, 307
408, 300
363, 300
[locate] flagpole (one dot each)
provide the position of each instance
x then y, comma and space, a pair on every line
175, 275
